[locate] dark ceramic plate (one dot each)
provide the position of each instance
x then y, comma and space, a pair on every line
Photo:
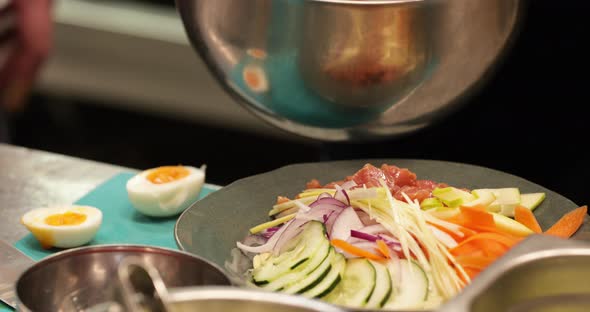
211, 226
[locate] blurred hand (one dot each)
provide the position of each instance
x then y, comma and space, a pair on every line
25, 41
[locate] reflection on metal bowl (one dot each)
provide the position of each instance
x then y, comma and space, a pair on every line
85, 278
349, 70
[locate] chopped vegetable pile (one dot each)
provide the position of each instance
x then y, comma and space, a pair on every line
383, 239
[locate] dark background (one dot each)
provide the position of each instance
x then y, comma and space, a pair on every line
530, 119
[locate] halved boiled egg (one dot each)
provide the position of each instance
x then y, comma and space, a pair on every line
63, 226
165, 191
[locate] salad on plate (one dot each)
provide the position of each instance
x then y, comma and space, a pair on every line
384, 239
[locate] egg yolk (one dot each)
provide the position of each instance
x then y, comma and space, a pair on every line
167, 174
67, 218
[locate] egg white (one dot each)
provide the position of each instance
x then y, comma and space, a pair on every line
63, 236
166, 199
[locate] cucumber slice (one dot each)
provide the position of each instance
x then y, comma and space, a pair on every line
412, 289
300, 270
531, 200
312, 238
331, 281
357, 285
310, 280
383, 286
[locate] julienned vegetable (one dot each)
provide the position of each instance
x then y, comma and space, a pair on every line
371, 245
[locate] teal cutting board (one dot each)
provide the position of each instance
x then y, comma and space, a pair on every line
121, 223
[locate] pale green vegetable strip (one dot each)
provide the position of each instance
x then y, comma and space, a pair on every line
269, 224
406, 221
290, 204
439, 263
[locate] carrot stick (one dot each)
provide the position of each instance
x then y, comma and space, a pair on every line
466, 232
383, 249
502, 239
472, 273
475, 262
490, 248
477, 216
353, 250
527, 218
569, 223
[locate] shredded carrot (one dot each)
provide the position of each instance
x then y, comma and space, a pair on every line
474, 262
472, 273
465, 249
466, 232
383, 249
491, 248
353, 250
477, 216
477, 219
569, 223
527, 218
505, 240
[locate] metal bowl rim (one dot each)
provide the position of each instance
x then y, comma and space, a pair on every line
113, 248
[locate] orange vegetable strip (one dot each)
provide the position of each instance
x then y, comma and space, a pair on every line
466, 232
477, 216
472, 273
383, 248
569, 223
475, 262
502, 239
467, 249
353, 250
527, 218
491, 248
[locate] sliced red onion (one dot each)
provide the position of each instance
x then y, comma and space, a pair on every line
374, 229
327, 216
365, 218
324, 195
318, 212
327, 201
347, 220
363, 236
348, 185
269, 245
389, 240
330, 221
342, 195
293, 229
268, 233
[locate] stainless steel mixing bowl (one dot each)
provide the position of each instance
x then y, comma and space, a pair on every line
541, 274
85, 279
349, 70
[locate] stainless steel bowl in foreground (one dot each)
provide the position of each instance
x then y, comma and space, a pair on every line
237, 299
349, 70
86, 278
541, 274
